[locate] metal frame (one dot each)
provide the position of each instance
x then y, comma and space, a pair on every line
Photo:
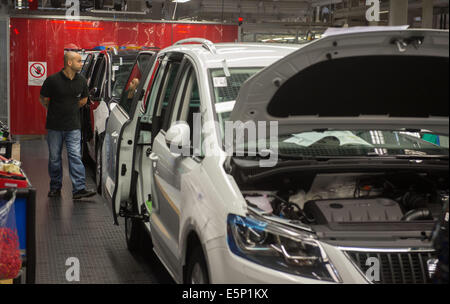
8, 71
91, 18
6, 19
394, 250
207, 44
346, 250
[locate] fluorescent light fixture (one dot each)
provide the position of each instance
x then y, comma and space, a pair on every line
181, 1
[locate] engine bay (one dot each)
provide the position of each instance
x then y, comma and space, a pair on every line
341, 201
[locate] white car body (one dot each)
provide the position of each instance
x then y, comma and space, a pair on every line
200, 194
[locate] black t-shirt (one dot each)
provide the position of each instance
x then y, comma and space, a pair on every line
63, 109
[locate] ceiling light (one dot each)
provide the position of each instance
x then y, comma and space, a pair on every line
181, 1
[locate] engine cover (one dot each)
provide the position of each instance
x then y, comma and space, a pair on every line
353, 210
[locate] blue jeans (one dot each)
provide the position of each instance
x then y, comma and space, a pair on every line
55, 141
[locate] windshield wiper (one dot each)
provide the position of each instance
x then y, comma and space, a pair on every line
406, 156
422, 157
266, 154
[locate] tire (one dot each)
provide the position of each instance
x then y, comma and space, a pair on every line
98, 167
56, 3
134, 232
99, 4
197, 271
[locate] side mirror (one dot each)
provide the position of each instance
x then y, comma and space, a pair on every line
178, 139
92, 93
112, 105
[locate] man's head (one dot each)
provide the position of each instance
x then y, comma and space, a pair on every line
134, 83
73, 61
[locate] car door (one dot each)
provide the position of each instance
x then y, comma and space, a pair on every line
87, 65
117, 74
168, 168
97, 91
118, 147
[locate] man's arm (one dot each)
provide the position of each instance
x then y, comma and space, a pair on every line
83, 101
44, 101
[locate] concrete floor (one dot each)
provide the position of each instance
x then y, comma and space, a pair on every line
81, 229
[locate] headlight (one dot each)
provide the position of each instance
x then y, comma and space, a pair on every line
272, 245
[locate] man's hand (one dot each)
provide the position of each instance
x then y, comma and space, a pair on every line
83, 101
44, 101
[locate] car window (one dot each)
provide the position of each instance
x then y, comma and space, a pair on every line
98, 75
154, 90
120, 72
153, 81
226, 89
164, 93
86, 64
190, 103
134, 79
180, 95
90, 70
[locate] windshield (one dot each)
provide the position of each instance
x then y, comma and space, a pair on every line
344, 143
328, 143
120, 72
226, 89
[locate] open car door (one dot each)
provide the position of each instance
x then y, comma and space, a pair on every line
118, 148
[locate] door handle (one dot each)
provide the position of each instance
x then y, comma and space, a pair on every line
153, 157
148, 152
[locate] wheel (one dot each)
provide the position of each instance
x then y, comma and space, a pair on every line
56, 3
197, 272
134, 232
99, 4
98, 167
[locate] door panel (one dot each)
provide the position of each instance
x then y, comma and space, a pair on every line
118, 149
87, 62
169, 167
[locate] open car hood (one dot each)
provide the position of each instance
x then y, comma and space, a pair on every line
381, 80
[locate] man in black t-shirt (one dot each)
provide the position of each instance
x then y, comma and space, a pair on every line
62, 94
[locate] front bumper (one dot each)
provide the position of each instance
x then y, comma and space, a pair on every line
227, 268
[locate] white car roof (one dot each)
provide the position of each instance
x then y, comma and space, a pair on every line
235, 54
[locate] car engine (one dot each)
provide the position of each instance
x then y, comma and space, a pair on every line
356, 198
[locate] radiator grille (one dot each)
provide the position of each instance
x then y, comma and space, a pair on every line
396, 268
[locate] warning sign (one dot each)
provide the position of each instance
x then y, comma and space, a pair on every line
37, 73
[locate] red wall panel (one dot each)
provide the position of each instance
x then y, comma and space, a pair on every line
46, 39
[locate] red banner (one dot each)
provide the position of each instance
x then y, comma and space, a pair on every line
44, 40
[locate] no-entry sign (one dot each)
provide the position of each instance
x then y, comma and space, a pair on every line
37, 73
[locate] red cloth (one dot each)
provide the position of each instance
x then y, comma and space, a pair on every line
10, 262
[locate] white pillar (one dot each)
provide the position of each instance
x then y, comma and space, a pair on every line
427, 13
318, 14
398, 12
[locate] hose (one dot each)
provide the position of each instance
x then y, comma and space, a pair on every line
417, 214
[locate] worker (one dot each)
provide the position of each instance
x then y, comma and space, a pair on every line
62, 94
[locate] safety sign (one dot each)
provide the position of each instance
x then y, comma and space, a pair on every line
37, 73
